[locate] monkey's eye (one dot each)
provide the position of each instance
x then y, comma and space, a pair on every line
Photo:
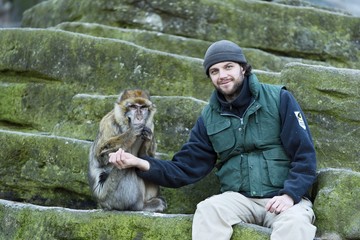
137, 107
132, 107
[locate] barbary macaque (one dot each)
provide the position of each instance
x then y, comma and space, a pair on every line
128, 126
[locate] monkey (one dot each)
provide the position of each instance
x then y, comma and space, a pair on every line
129, 125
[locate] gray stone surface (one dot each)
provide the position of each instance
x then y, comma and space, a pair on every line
57, 83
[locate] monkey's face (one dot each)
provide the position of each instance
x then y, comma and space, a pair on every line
137, 113
133, 108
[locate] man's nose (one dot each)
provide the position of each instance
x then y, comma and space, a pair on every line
222, 73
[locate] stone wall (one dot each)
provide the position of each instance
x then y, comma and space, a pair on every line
61, 73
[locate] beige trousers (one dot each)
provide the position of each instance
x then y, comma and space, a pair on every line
215, 216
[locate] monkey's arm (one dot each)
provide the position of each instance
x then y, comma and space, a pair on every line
114, 143
127, 140
148, 147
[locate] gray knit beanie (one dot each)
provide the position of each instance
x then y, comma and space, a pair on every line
222, 51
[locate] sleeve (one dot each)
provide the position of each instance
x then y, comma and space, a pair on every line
297, 141
194, 161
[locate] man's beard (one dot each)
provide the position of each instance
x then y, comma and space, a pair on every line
234, 92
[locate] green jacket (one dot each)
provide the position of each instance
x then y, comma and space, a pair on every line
252, 160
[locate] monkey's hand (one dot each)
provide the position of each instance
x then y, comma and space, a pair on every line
137, 129
104, 157
146, 133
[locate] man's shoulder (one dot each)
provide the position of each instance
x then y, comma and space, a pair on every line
275, 87
206, 110
272, 90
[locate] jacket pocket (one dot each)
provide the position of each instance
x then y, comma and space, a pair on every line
230, 175
221, 136
278, 165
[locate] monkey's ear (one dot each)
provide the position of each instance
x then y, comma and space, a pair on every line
120, 114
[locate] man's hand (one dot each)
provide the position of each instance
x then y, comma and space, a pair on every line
279, 204
123, 160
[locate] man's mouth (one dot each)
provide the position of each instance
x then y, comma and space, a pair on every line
225, 82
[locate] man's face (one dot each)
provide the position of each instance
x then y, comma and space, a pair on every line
227, 77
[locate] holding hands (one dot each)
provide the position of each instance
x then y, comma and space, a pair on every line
123, 160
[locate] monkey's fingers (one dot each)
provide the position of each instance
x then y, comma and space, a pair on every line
137, 129
146, 133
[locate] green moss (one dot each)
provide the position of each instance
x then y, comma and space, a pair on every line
290, 31
149, 39
101, 65
328, 96
58, 223
50, 81
48, 170
335, 204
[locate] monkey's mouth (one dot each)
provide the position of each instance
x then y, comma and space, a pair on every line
137, 123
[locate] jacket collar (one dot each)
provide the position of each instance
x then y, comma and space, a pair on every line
250, 90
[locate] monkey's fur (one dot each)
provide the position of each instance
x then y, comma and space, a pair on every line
128, 126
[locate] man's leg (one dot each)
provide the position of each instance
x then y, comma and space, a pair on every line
214, 217
295, 223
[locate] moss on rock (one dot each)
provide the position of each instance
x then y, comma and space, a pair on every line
329, 96
60, 83
52, 171
178, 45
292, 31
44, 169
99, 65
18, 221
336, 204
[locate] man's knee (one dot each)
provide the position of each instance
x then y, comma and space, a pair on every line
216, 203
206, 205
302, 212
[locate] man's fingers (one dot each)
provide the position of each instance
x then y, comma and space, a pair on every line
122, 155
279, 204
112, 157
115, 158
273, 206
269, 204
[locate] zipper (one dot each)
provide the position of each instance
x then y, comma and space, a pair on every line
242, 118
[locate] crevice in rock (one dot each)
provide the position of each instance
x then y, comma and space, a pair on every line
26, 75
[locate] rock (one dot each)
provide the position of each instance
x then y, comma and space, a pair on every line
337, 204
52, 171
259, 59
58, 82
90, 64
76, 115
45, 170
329, 96
18, 221
289, 31
49, 78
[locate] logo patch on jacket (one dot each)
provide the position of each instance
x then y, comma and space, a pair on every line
300, 119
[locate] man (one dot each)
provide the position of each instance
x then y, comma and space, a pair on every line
257, 137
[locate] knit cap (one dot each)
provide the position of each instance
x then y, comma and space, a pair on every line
222, 51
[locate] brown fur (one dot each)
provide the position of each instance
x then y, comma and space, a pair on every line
123, 189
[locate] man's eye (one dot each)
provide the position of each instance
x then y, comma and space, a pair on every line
213, 72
